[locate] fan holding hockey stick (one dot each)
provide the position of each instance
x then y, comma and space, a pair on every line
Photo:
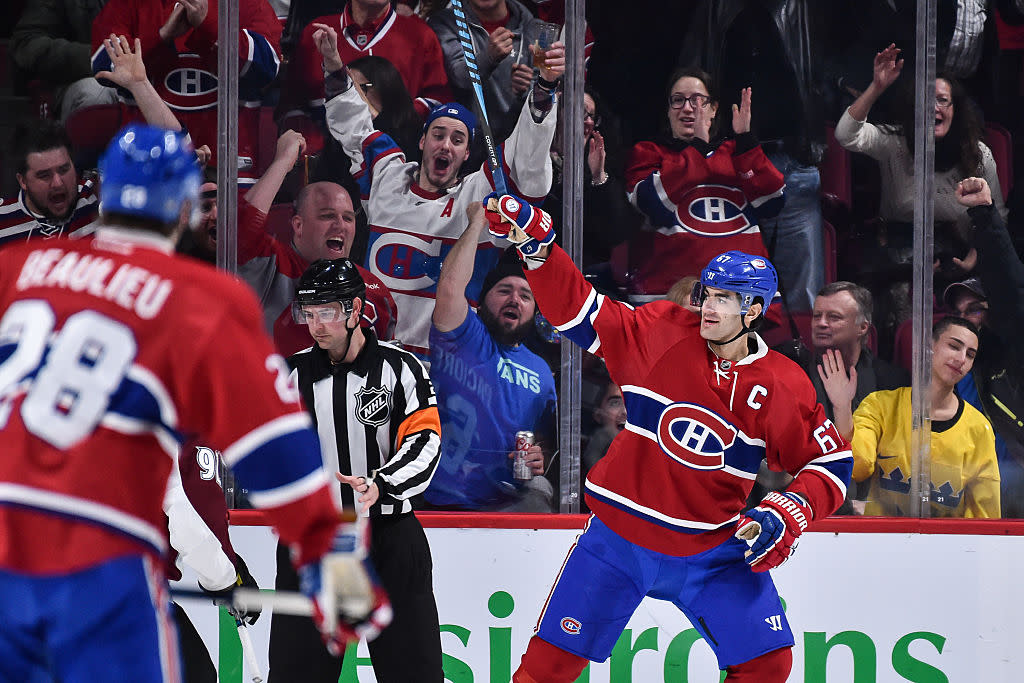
429, 199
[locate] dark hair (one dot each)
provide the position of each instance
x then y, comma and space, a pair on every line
960, 146
940, 326
861, 296
397, 117
702, 76
38, 135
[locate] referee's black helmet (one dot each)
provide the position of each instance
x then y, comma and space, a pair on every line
326, 281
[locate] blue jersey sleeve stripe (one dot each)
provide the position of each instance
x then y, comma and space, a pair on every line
100, 60
260, 68
651, 199
280, 461
290, 492
293, 422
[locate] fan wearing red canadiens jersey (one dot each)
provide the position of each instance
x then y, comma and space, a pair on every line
112, 355
706, 403
698, 198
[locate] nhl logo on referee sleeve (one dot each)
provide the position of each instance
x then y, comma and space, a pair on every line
373, 406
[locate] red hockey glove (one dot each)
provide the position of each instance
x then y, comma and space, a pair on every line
525, 226
348, 602
772, 529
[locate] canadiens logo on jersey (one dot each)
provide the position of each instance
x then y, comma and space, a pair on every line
695, 436
713, 211
373, 406
191, 84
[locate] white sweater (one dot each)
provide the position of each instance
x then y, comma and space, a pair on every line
896, 164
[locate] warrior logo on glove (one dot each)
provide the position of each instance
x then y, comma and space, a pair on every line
772, 529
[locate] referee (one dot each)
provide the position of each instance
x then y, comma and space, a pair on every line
375, 412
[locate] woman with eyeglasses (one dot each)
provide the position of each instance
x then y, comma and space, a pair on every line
959, 153
700, 196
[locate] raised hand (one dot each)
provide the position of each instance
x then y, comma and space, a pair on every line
126, 65
887, 67
596, 156
290, 145
554, 62
500, 43
741, 113
326, 40
525, 226
973, 192
840, 386
195, 11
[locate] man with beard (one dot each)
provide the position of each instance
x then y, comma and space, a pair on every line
489, 386
52, 202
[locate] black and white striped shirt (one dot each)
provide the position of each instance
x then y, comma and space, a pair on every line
376, 415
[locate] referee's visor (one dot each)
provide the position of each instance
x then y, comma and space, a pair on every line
333, 312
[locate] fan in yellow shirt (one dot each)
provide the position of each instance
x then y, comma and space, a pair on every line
964, 473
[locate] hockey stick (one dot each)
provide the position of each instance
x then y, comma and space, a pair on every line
248, 651
245, 599
497, 174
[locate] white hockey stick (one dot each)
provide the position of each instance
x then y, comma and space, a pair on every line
249, 652
245, 599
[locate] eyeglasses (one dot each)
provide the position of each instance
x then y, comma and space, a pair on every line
593, 118
696, 100
365, 86
943, 102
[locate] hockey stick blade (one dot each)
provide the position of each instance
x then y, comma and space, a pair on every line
469, 53
245, 599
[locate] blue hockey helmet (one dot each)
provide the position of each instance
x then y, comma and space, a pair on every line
734, 271
149, 172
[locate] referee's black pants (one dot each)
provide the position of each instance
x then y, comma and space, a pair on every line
407, 651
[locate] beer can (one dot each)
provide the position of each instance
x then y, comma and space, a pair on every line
520, 469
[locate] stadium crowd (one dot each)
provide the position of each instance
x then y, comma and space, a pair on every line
781, 128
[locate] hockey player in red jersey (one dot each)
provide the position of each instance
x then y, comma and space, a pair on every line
113, 352
706, 402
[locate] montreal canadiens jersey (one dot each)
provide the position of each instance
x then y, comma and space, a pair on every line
184, 72
677, 477
114, 352
412, 229
405, 41
964, 471
698, 201
19, 223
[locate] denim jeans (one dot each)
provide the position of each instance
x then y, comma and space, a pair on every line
794, 237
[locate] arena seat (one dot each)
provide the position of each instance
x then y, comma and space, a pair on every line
1000, 142
90, 129
828, 240
836, 177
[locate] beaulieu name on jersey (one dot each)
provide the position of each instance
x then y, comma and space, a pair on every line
132, 288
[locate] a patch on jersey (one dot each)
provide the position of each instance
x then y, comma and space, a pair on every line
190, 87
571, 626
695, 436
713, 211
373, 406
